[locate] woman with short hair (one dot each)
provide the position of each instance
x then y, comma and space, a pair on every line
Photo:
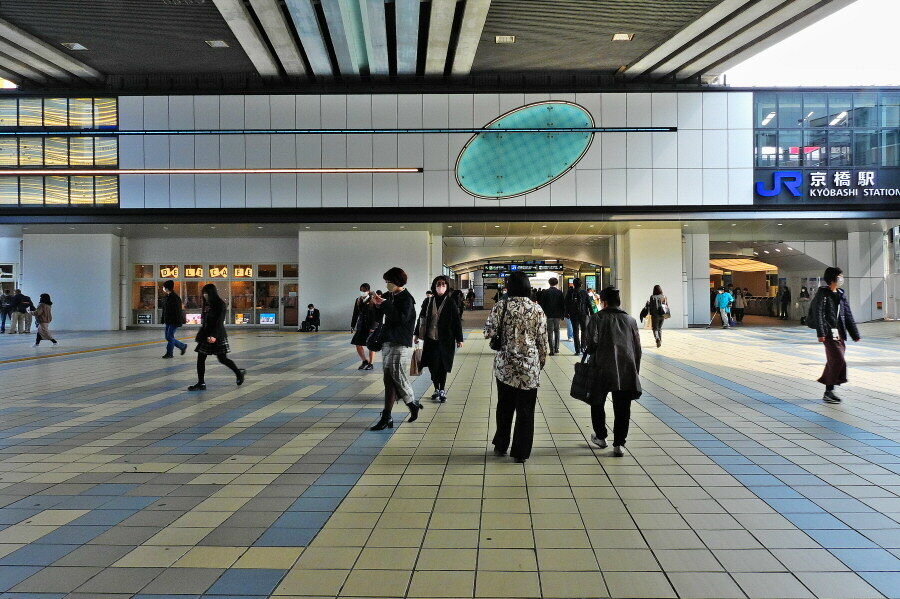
440, 328
399, 310
830, 315
522, 327
44, 316
365, 316
212, 340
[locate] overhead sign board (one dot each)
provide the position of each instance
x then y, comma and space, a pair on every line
827, 186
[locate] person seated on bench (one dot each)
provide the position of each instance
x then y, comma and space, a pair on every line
312, 321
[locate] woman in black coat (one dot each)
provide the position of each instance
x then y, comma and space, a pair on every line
211, 338
440, 327
366, 315
614, 345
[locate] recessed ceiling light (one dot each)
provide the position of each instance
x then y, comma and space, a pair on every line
790, 248
622, 37
258, 227
119, 228
355, 227
307, 227
504, 39
212, 227
24, 228
826, 224
73, 228
74, 46
166, 228
543, 226
777, 250
765, 251
733, 224
496, 226
640, 225
217, 43
780, 224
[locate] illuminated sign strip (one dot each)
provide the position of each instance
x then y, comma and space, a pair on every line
206, 171
467, 130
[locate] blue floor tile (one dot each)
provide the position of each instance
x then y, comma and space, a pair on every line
809, 522
868, 560
103, 517
887, 583
794, 506
315, 504
841, 539
246, 581
72, 535
326, 491
286, 537
10, 576
37, 555
302, 520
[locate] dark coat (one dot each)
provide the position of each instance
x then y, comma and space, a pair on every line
22, 303
313, 318
614, 346
365, 316
172, 311
212, 324
399, 318
577, 304
553, 303
785, 297
823, 312
449, 329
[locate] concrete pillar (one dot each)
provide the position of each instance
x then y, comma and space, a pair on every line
696, 275
865, 274
334, 264
81, 274
648, 257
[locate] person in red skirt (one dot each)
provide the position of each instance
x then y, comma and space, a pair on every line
830, 315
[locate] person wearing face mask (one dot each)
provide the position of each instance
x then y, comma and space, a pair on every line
440, 327
830, 315
211, 338
365, 316
399, 310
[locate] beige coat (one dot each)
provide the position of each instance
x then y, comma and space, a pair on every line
44, 316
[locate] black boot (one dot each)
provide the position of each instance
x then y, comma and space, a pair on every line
240, 376
414, 408
384, 422
197, 387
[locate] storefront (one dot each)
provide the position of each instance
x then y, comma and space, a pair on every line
257, 295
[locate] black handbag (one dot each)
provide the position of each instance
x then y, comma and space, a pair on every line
584, 379
373, 341
497, 338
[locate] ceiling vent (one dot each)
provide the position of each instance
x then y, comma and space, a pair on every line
504, 39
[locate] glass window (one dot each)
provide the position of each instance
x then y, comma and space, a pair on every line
9, 191
143, 271
56, 112
289, 271
865, 148
161, 294
790, 110
106, 151
31, 190
9, 112
81, 113
243, 271
56, 191
81, 190
890, 109
839, 110
815, 143
56, 151
218, 271
106, 112
81, 150
31, 112
865, 111
31, 151
815, 110
106, 190
193, 271
191, 297
9, 151
789, 143
890, 148
267, 271
242, 302
839, 148
169, 271
267, 295
143, 296
766, 110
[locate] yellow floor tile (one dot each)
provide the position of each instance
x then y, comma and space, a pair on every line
376, 583
447, 559
173, 535
573, 585
278, 558
507, 584
378, 558
512, 560
312, 582
328, 558
151, 557
442, 584
212, 557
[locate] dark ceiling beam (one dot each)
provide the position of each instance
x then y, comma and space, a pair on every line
269, 14
47, 52
251, 40
406, 17
306, 23
474, 16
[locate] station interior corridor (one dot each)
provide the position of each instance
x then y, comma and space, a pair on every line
737, 482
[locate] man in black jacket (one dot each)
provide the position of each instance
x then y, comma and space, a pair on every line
830, 315
554, 306
312, 320
5, 310
577, 311
173, 318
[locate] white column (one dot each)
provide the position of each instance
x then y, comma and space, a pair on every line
81, 274
334, 264
648, 257
865, 274
696, 274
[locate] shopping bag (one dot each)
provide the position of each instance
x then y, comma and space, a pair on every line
415, 365
583, 379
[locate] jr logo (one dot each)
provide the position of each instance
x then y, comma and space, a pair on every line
792, 180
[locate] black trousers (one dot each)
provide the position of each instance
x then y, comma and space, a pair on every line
223, 359
519, 402
579, 328
438, 376
621, 401
784, 311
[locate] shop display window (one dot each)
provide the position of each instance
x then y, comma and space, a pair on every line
191, 297
218, 271
267, 271
243, 271
267, 295
143, 271
193, 271
242, 302
169, 271
289, 271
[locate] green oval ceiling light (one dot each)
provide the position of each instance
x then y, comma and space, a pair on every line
507, 164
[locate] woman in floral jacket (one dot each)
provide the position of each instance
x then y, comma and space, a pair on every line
518, 365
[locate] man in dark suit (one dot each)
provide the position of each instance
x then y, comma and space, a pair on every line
312, 320
173, 318
577, 311
554, 305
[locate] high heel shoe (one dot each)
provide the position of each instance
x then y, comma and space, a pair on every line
413, 410
384, 422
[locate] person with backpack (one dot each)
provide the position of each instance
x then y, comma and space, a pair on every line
173, 318
830, 315
578, 310
658, 309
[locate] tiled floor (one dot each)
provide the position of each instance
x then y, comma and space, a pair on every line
739, 482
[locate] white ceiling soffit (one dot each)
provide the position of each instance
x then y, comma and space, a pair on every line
440, 25
342, 27
244, 29
20, 68
375, 29
731, 32
34, 61
474, 16
307, 26
46, 52
277, 30
406, 22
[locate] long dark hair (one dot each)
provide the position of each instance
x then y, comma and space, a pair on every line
209, 291
45, 299
657, 290
434, 283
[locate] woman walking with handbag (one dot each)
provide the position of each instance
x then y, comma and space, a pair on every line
658, 309
44, 316
365, 317
440, 328
517, 329
396, 339
614, 348
211, 338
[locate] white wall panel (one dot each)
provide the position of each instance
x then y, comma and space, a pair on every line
181, 151
458, 197
563, 190
359, 147
612, 149
284, 191
181, 191
384, 146
181, 112
156, 151
207, 151
740, 186
462, 110
209, 191
715, 148
259, 151
614, 187
715, 186
334, 191
308, 112
665, 150
156, 191
435, 188
589, 187
690, 111
206, 112
131, 112
510, 102
690, 186
639, 150
259, 191
637, 109
156, 112
131, 151
334, 151
233, 151
231, 112
541, 197
715, 110
690, 149
664, 108
309, 191
740, 110
234, 191
436, 112
257, 112
411, 146
613, 110
385, 191
740, 148
412, 190
639, 191
359, 191
309, 150
590, 102
131, 191
284, 151
486, 108
665, 186
283, 109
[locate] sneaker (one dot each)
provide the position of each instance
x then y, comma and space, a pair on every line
369, 366
183, 349
601, 443
363, 365
197, 387
435, 395
442, 396
167, 356
35, 345
618, 451
830, 397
